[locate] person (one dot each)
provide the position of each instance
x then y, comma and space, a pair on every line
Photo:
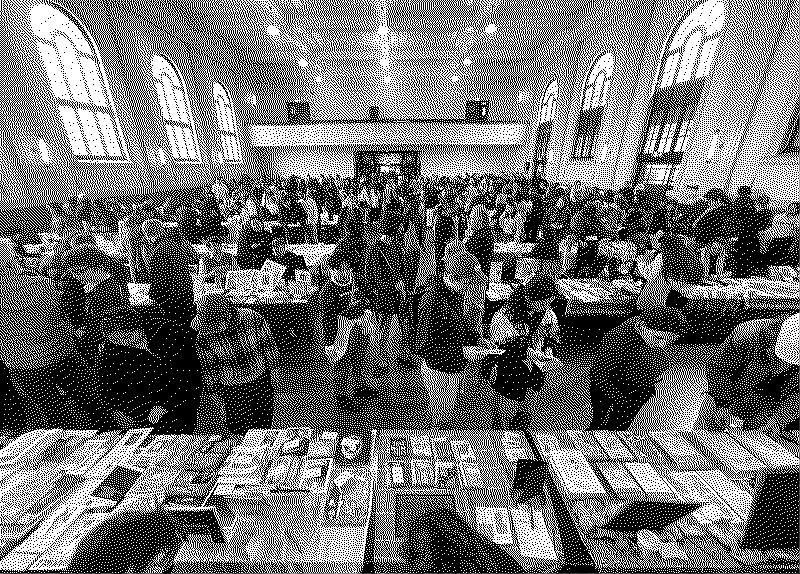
754, 377
442, 335
312, 217
89, 265
254, 246
347, 326
479, 239
281, 255
39, 351
441, 541
210, 216
186, 218
527, 329
238, 355
444, 230
712, 231
171, 286
139, 382
383, 274
512, 221
129, 542
628, 363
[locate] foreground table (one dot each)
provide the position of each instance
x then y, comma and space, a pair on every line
595, 473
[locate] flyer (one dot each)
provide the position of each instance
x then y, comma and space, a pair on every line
546, 443
684, 455
423, 473
471, 475
587, 444
398, 474
421, 446
532, 534
766, 449
576, 476
732, 456
649, 480
50, 529
496, 524
442, 450
398, 447
347, 502
644, 448
284, 473
613, 446
315, 475
323, 446
462, 450
354, 450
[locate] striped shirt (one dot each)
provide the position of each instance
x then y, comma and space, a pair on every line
243, 353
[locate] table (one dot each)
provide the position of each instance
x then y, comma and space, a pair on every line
608, 469
755, 292
599, 297
274, 510
425, 455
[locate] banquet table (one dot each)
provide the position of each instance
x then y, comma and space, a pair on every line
596, 473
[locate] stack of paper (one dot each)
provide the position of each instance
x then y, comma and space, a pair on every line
532, 534
736, 498
620, 480
650, 480
613, 446
683, 455
575, 475
547, 443
586, 443
694, 489
767, 450
26, 450
737, 460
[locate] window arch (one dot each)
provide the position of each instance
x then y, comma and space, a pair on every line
226, 122
595, 97
687, 61
547, 110
79, 84
175, 111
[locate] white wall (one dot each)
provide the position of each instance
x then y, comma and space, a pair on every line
434, 160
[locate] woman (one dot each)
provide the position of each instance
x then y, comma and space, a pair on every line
211, 227
254, 246
441, 541
479, 239
527, 328
130, 542
443, 334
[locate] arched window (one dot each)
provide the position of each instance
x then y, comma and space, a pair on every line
79, 85
175, 111
590, 117
226, 122
546, 112
686, 62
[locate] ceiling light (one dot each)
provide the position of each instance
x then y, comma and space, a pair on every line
273, 30
302, 62
467, 62
387, 80
383, 30
253, 99
455, 78
318, 79
385, 62
490, 28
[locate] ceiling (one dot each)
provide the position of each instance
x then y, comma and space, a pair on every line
324, 30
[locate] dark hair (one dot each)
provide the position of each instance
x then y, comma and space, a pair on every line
121, 319
680, 262
126, 541
85, 256
454, 546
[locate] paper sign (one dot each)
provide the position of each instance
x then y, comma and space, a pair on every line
421, 446
496, 523
471, 476
532, 534
423, 473
462, 450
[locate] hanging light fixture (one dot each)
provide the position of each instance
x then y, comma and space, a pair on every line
302, 62
273, 30
455, 78
383, 30
387, 80
491, 28
385, 62
467, 62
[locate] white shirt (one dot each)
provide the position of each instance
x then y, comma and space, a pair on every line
655, 291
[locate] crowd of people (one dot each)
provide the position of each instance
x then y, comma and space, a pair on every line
75, 337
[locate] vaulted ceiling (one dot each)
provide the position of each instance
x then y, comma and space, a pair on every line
331, 30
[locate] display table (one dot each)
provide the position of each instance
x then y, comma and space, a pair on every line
755, 292
598, 297
280, 499
413, 470
597, 473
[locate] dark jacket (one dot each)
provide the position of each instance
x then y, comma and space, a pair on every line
533, 221
444, 233
741, 370
105, 297
713, 224
174, 346
383, 269
129, 380
481, 245
443, 332
170, 282
254, 248
624, 363
336, 300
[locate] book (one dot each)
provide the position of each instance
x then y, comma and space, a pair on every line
547, 443
422, 473
620, 480
613, 446
462, 450
650, 481
421, 446
577, 478
731, 455
398, 474
586, 443
442, 450
767, 450
683, 455
496, 524
315, 475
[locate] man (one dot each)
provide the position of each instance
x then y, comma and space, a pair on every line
140, 382
712, 231
237, 353
281, 255
255, 244
171, 284
312, 217
754, 376
629, 361
38, 346
89, 265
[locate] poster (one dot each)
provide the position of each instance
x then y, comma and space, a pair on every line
347, 502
